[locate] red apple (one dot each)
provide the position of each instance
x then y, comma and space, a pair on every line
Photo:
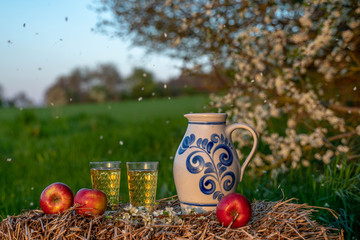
90, 202
231, 206
56, 198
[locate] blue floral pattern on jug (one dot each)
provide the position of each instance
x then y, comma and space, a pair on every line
213, 173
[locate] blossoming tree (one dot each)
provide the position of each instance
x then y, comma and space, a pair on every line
296, 66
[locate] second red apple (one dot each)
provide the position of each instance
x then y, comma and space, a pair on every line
90, 202
231, 206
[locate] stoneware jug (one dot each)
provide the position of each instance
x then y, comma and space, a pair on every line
206, 166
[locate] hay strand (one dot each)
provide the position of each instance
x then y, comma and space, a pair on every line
270, 220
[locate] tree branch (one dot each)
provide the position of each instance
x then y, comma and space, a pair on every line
340, 136
344, 109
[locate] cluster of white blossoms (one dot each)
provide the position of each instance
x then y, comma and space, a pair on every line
282, 77
136, 214
292, 67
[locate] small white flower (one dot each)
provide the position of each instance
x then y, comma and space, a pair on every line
166, 220
358, 130
188, 211
178, 221
128, 207
126, 216
342, 148
305, 163
291, 123
336, 14
170, 211
147, 219
354, 24
158, 213
305, 20
132, 210
168, 2
327, 156
347, 35
202, 218
317, 156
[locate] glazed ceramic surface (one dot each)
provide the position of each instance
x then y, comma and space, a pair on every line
206, 166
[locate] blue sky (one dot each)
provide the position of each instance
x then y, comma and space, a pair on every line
56, 38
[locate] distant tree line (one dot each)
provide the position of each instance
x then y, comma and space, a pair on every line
104, 83
18, 100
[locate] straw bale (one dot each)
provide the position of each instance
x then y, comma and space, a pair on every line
270, 220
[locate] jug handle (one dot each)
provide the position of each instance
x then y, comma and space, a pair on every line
229, 129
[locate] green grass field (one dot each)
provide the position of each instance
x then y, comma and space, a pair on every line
46, 145
42, 146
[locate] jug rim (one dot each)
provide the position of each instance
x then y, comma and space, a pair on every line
206, 117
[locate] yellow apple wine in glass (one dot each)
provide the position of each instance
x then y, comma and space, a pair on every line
105, 176
142, 183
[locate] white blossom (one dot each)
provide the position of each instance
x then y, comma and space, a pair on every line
305, 20
347, 35
343, 149
327, 156
354, 24
357, 130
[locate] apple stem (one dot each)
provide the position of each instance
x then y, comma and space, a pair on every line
234, 219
